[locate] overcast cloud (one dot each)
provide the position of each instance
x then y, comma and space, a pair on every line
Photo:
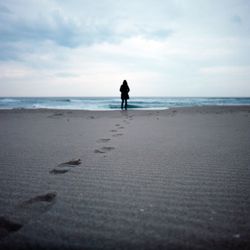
87, 47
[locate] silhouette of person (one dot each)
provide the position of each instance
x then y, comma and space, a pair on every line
124, 89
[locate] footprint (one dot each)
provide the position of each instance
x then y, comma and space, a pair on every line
26, 211
107, 149
59, 171
7, 226
117, 125
131, 117
103, 140
104, 150
58, 114
121, 127
72, 162
98, 151
49, 197
34, 207
174, 112
116, 135
66, 166
113, 130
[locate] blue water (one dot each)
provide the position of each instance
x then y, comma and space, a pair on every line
111, 103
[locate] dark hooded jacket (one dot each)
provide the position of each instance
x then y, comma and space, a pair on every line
124, 91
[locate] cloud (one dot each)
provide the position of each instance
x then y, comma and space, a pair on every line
54, 24
84, 46
53, 27
236, 19
66, 75
14, 71
4, 10
226, 70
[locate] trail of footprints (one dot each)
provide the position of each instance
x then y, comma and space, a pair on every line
116, 132
26, 211
34, 207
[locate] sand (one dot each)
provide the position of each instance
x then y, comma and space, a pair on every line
167, 179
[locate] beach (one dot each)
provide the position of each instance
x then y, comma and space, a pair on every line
139, 179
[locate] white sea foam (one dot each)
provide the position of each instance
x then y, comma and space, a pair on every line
112, 103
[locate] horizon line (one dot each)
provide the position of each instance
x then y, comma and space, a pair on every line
130, 97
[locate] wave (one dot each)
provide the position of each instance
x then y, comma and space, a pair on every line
8, 100
112, 103
62, 100
130, 106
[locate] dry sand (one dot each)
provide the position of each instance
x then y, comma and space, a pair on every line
169, 179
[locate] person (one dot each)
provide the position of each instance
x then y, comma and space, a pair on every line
124, 89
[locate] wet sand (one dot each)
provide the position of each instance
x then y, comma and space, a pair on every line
167, 179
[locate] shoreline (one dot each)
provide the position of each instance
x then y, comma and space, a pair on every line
234, 107
109, 103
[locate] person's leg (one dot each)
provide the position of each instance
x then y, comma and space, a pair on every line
126, 104
122, 103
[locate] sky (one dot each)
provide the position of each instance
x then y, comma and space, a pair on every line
161, 47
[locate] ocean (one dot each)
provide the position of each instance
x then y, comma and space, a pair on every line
113, 103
